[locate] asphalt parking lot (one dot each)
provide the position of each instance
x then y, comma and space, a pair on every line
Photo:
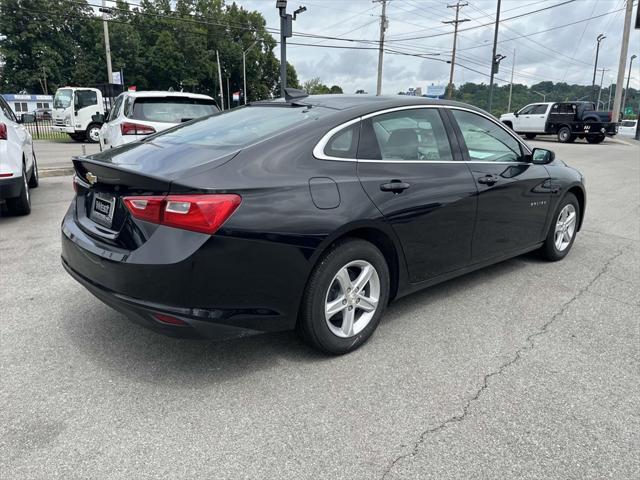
525, 370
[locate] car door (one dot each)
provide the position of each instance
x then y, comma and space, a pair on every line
538, 118
513, 193
525, 119
410, 165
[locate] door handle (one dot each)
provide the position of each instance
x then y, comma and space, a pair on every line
395, 186
488, 179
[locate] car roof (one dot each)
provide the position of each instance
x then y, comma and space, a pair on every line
364, 104
160, 93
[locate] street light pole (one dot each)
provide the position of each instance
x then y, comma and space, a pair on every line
244, 70
599, 38
543, 95
624, 98
513, 66
600, 89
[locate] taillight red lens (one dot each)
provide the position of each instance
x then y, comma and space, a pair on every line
148, 208
3, 131
129, 128
199, 213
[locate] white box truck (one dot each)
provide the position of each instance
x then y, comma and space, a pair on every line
79, 112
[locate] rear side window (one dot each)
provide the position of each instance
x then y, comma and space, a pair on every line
113, 114
171, 109
344, 144
417, 134
486, 141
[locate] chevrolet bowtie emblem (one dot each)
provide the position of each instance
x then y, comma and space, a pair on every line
91, 178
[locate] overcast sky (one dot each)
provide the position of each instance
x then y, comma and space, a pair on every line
563, 54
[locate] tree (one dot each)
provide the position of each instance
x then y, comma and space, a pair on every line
314, 86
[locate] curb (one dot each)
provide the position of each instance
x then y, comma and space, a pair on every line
55, 172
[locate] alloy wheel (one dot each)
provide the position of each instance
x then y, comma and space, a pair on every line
352, 298
565, 227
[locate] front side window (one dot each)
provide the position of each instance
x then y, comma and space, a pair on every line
527, 110
86, 98
416, 134
486, 141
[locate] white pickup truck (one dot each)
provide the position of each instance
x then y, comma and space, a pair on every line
567, 120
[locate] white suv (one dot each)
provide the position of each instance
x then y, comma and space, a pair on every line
137, 114
18, 167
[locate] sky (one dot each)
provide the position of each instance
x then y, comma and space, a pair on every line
561, 54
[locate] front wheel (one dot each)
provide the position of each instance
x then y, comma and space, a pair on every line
595, 139
563, 229
93, 133
345, 297
564, 134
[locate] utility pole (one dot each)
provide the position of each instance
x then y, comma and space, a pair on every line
286, 31
107, 46
383, 27
609, 101
220, 81
494, 59
624, 98
599, 38
46, 88
513, 66
244, 70
623, 60
455, 23
600, 89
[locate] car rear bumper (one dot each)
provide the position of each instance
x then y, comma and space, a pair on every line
220, 286
10, 187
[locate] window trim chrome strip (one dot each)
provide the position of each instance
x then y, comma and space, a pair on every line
318, 150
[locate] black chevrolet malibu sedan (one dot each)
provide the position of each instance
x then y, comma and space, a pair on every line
310, 212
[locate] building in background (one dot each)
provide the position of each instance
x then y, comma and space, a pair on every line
25, 103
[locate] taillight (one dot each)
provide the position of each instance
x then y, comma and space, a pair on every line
3, 131
199, 213
129, 128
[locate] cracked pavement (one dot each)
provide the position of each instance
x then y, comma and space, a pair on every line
526, 369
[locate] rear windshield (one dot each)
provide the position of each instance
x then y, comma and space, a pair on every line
171, 109
234, 129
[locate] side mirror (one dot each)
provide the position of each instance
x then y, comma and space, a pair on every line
27, 118
516, 113
541, 156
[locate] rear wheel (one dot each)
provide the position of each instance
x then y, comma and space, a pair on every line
93, 133
530, 136
345, 297
595, 138
564, 134
21, 205
563, 229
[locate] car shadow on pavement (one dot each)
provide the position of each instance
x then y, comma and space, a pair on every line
106, 337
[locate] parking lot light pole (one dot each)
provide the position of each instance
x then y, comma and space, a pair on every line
543, 95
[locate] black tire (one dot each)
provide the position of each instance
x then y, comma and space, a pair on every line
572, 138
34, 180
594, 139
77, 137
530, 136
312, 325
509, 124
90, 137
564, 134
21, 205
549, 250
